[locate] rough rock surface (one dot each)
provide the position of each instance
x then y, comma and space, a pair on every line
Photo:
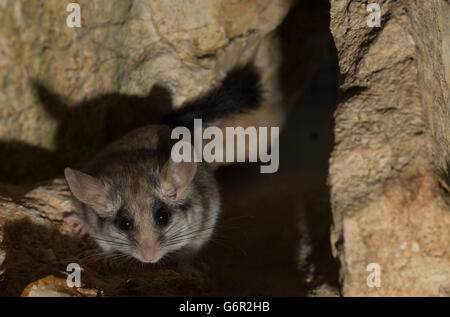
56, 82
389, 170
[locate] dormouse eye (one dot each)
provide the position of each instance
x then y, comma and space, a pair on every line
124, 221
161, 216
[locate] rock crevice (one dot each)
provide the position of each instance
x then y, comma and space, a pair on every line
392, 139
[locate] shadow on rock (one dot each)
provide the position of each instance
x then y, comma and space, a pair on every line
82, 130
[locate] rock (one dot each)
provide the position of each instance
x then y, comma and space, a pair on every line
324, 290
123, 48
389, 170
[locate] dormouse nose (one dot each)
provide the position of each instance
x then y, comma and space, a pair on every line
148, 252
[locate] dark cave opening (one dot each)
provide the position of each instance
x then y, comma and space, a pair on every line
274, 236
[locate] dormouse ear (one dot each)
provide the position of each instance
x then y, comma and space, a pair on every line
89, 191
176, 177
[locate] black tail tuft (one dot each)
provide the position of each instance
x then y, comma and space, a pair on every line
239, 92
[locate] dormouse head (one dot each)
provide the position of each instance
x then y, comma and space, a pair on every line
139, 207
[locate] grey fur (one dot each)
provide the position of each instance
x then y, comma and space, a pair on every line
130, 168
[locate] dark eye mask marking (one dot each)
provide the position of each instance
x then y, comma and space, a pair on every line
124, 221
161, 214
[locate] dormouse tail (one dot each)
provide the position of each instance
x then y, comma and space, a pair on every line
239, 92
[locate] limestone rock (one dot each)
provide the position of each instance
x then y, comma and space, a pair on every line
123, 48
389, 170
